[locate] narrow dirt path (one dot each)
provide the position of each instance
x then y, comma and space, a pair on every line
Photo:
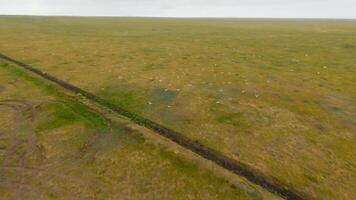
17, 149
20, 143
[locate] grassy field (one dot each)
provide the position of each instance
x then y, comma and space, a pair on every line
277, 95
52, 147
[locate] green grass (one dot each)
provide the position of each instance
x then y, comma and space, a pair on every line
21, 75
278, 95
70, 112
121, 96
63, 112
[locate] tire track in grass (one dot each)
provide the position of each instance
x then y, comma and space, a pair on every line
267, 182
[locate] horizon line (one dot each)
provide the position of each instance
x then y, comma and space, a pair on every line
180, 17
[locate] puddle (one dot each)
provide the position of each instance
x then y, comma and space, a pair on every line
161, 95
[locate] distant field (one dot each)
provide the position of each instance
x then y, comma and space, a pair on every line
279, 96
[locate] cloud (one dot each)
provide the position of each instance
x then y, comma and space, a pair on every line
184, 8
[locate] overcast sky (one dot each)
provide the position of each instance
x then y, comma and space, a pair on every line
184, 8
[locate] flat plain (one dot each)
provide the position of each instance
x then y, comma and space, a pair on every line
276, 95
54, 147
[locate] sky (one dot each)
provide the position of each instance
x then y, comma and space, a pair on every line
184, 8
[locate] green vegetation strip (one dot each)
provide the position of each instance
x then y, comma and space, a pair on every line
269, 183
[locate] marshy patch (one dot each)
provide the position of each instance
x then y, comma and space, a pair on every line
348, 46
164, 96
171, 117
100, 143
